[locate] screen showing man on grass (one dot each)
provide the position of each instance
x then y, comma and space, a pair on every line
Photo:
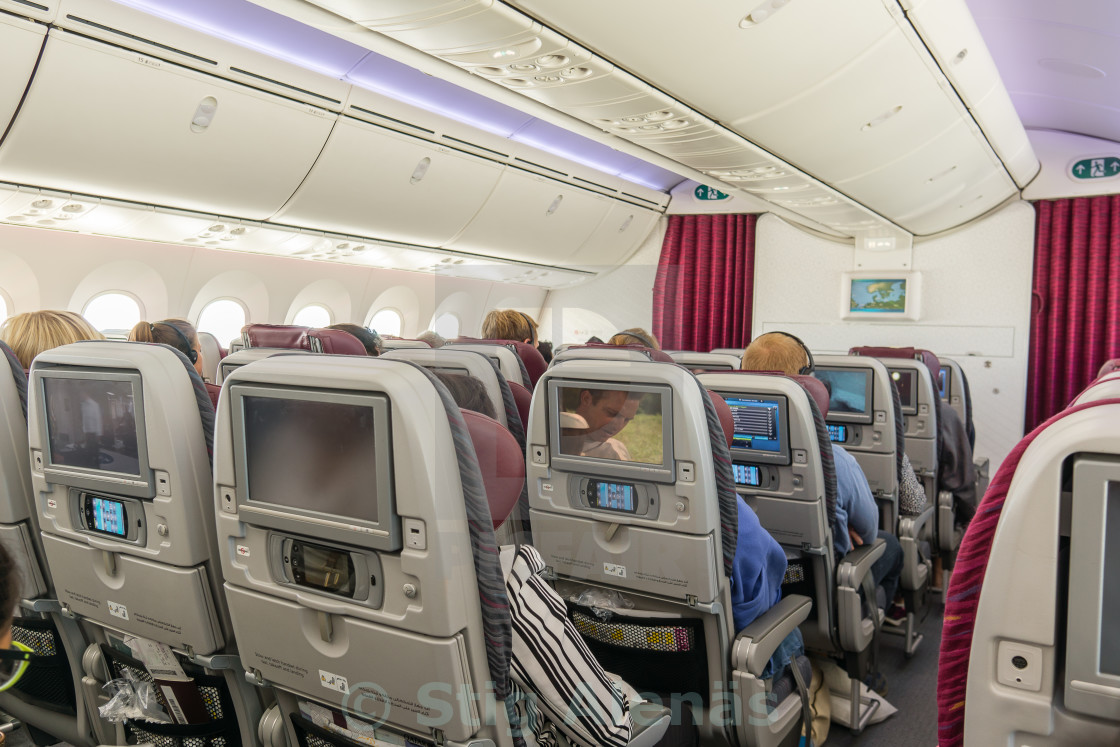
617, 424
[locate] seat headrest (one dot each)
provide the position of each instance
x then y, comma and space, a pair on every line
534, 362
501, 462
654, 355
816, 389
287, 336
726, 419
925, 356
1108, 367
523, 398
337, 342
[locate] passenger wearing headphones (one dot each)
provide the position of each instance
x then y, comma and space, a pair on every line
176, 333
857, 517
509, 324
635, 336
369, 338
181, 335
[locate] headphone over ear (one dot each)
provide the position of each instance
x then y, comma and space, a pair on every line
531, 326
806, 370
192, 356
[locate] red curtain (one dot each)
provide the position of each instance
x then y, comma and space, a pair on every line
704, 290
1075, 310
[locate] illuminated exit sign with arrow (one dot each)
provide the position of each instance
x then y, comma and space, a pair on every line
1103, 167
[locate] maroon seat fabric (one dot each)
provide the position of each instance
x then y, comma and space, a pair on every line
337, 342
501, 462
816, 389
276, 336
925, 356
966, 584
523, 398
213, 390
726, 419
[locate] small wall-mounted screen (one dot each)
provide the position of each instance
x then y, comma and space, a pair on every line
620, 424
91, 424
878, 296
746, 474
906, 381
848, 389
613, 496
313, 455
108, 516
838, 434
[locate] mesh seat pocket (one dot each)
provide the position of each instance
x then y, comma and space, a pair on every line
48, 683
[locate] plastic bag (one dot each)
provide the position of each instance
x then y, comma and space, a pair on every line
603, 602
132, 698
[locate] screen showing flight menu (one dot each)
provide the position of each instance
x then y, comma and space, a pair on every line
757, 424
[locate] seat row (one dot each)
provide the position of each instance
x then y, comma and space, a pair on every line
327, 542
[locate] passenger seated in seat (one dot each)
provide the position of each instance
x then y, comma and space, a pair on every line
857, 517
590, 420
469, 393
33, 332
955, 470
635, 336
369, 338
508, 324
176, 333
434, 339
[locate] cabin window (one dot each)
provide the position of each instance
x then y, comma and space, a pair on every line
387, 322
224, 319
447, 325
113, 314
312, 316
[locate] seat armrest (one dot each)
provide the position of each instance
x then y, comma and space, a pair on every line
912, 526
650, 722
857, 563
944, 499
756, 643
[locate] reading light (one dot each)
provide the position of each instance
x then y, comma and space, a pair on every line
504, 53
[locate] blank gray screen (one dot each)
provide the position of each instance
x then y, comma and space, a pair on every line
318, 456
1110, 600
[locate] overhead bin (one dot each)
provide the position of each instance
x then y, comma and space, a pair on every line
376, 182
618, 235
532, 218
122, 124
20, 42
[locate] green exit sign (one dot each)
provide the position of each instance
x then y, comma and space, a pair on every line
709, 193
1096, 168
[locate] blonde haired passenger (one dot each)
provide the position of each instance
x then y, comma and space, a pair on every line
508, 324
31, 333
775, 351
635, 336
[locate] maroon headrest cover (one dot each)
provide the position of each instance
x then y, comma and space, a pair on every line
501, 462
726, 419
523, 398
925, 356
338, 342
277, 336
817, 390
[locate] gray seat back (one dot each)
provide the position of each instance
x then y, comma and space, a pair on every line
397, 343
378, 590
862, 418
120, 435
464, 362
706, 361
509, 363
211, 356
244, 357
